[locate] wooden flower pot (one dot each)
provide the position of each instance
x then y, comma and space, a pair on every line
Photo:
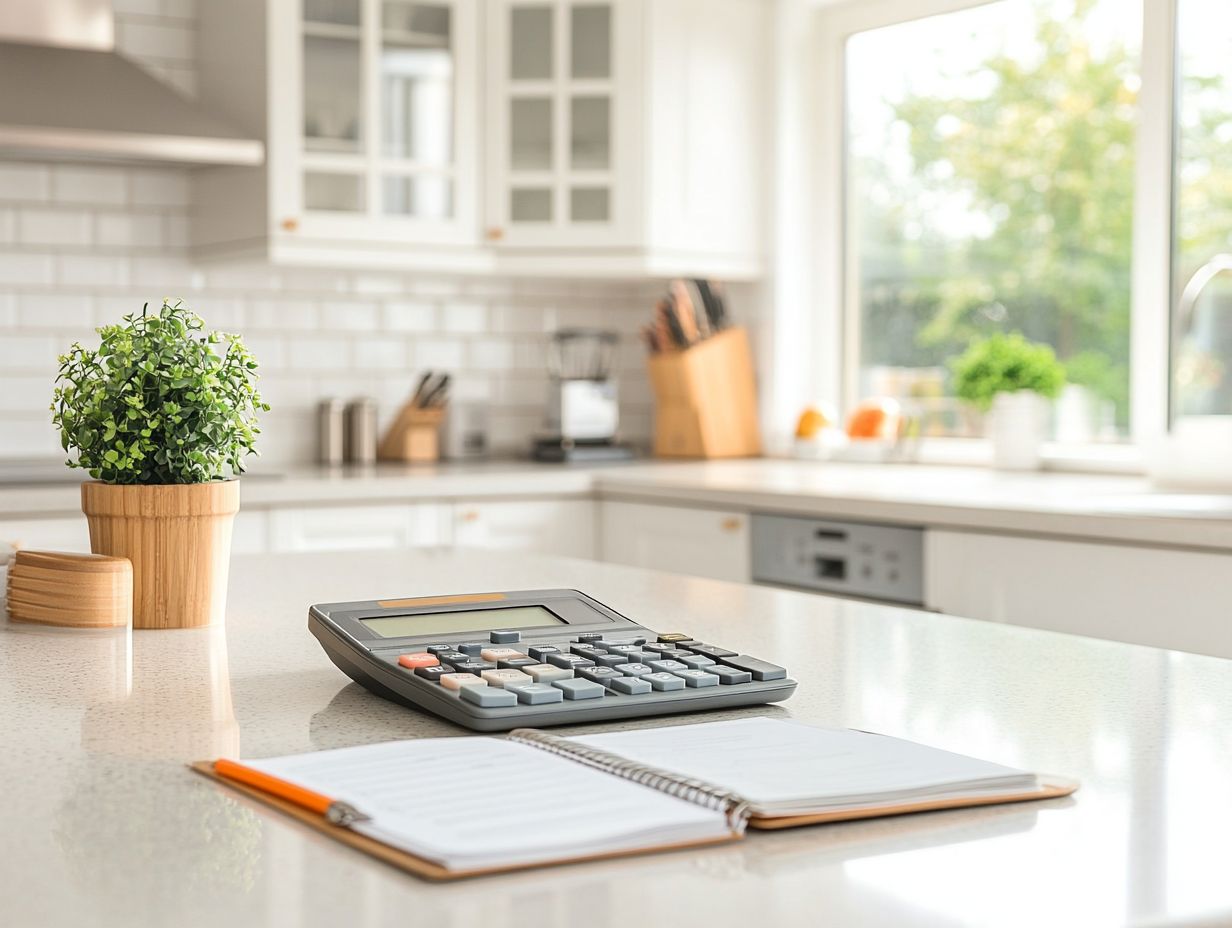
178, 537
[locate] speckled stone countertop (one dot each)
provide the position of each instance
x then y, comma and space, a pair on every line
102, 824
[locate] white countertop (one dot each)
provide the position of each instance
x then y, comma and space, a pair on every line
103, 825
1095, 506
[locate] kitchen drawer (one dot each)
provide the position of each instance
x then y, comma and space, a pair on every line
702, 542
549, 526
350, 528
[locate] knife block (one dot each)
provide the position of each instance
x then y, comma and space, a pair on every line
413, 436
706, 399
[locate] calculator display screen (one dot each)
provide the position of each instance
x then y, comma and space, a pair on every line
437, 623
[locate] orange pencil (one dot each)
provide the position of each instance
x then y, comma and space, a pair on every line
336, 811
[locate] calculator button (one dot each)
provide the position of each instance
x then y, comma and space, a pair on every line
475, 667
620, 643
452, 657
675, 636
570, 661
729, 675
501, 678
674, 655
579, 689
657, 648
589, 636
620, 648
588, 651
697, 678
664, 681
418, 659
665, 666
761, 670
516, 663
438, 648
697, 661
472, 647
708, 650
457, 681
547, 673
504, 636
602, 675
610, 660
433, 674
499, 654
536, 694
488, 697
636, 669
540, 651
630, 686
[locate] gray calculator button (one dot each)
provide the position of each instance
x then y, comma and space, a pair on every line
674, 655
569, 661
619, 648
589, 636
636, 669
708, 650
536, 694
697, 678
630, 686
664, 681
696, 662
588, 651
602, 675
438, 648
641, 657
473, 666
580, 689
505, 637
657, 647
730, 675
610, 660
488, 697
539, 651
516, 663
668, 666
761, 670
472, 647
452, 657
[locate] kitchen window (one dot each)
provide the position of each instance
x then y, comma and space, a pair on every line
1009, 166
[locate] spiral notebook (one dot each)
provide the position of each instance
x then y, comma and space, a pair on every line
452, 807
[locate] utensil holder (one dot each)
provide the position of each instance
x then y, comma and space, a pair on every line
706, 399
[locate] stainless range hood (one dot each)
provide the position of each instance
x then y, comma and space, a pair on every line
68, 95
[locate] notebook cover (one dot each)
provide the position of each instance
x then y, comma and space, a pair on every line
1050, 788
411, 863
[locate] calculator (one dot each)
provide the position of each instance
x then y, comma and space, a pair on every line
496, 661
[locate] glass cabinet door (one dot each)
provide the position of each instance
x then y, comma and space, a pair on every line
556, 91
333, 76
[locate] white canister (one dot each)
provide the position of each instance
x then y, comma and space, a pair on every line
1017, 427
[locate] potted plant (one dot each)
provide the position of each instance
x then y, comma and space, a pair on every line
162, 414
1014, 378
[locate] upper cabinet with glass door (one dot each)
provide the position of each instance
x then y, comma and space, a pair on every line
371, 125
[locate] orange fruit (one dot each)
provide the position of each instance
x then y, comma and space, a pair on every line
875, 418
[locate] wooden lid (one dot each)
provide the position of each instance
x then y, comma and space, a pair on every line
69, 589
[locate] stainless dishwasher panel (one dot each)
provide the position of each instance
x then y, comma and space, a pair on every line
872, 561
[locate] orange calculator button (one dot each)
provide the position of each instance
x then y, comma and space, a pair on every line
418, 659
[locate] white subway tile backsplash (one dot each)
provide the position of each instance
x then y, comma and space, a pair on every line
283, 315
77, 184
8, 226
381, 353
269, 350
55, 311
23, 353
350, 316
24, 182
93, 271
220, 313
41, 226
25, 268
8, 311
464, 318
409, 316
166, 276
438, 354
491, 354
378, 284
126, 230
24, 393
160, 187
141, 7
310, 355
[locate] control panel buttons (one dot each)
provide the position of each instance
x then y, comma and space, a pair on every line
504, 636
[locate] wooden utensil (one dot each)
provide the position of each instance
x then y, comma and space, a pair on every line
71, 590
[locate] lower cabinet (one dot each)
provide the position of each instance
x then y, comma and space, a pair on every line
678, 539
542, 526
350, 528
1163, 597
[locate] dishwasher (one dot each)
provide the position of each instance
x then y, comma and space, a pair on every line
877, 562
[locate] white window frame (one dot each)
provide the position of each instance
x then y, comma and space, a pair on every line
835, 324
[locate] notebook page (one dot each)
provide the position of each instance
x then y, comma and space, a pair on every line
478, 802
781, 765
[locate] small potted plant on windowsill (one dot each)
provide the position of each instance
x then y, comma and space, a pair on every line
1014, 379
162, 414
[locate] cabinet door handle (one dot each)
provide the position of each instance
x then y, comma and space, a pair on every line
290, 224
495, 234
470, 516
731, 524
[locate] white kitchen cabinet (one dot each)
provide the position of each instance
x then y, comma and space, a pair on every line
1168, 598
627, 135
61, 533
541, 526
369, 112
702, 542
348, 528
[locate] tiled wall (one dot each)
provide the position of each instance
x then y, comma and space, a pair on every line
82, 245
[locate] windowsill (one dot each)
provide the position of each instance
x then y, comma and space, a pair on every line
1072, 458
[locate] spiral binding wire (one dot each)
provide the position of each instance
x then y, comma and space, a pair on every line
698, 792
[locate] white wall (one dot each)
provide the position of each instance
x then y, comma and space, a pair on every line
82, 245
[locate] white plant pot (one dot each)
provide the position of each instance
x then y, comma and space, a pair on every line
1018, 425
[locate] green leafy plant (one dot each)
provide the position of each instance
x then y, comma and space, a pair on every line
160, 401
1005, 364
